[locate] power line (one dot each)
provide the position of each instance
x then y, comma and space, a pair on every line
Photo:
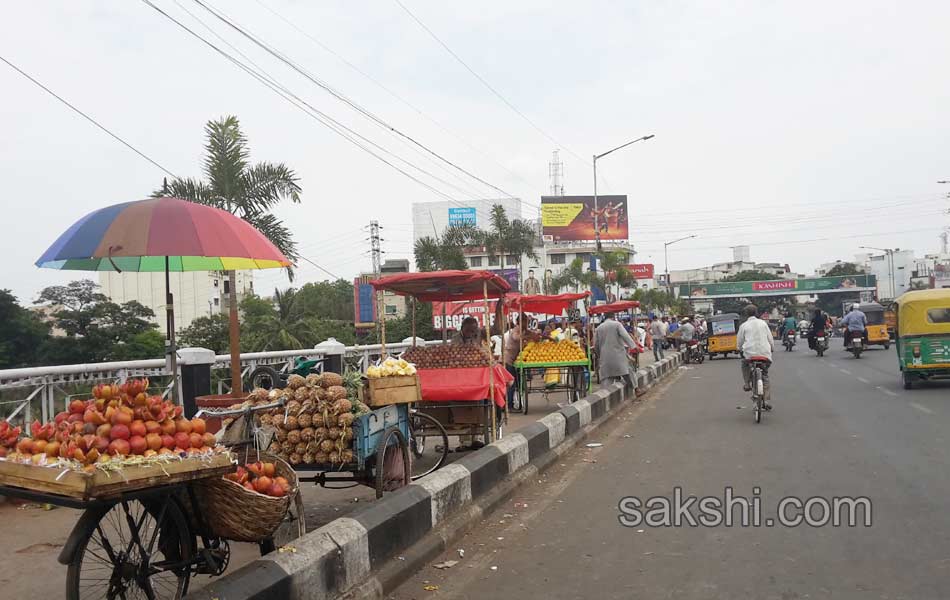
342, 97
486, 84
87, 117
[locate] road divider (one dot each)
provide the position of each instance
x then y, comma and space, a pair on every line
370, 552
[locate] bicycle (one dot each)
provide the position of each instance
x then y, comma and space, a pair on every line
758, 364
422, 426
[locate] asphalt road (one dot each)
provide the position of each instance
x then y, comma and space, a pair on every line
841, 428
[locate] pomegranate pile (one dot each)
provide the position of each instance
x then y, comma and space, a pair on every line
118, 422
261, 477
447, 357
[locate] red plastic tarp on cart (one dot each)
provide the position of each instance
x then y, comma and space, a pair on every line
463, 385
612, 307
547, 304
436, 286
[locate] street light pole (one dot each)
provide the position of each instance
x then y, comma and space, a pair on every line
596, 208
666, 262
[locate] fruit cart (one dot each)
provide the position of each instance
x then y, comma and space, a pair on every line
151, 520
565, 365
618, 307
463, 390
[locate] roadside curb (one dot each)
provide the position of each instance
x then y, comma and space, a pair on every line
370, 552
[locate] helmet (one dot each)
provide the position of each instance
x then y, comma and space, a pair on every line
855, 306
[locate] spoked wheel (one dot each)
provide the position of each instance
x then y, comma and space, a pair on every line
392, 441
757, 395
425, 432
525, 384
133, 549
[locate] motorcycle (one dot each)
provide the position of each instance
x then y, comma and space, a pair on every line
821, 343
695, 353
789, 340
855, 344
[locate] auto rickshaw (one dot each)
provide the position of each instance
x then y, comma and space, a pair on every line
876, 328
722, 331
923, 335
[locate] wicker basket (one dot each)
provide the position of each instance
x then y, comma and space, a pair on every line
236, 513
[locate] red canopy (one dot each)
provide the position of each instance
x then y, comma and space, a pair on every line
612, 307
551, 305
444, 286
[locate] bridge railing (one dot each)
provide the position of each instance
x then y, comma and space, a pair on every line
41, 392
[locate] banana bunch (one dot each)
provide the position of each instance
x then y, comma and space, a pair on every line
391, 367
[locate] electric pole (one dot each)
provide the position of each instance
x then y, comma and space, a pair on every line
376, 254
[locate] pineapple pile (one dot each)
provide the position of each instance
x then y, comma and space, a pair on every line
316, 424
391, 367
551, 352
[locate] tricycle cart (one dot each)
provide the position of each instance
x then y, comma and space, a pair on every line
571, 376
455, 401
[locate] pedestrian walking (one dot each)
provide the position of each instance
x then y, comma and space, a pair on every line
658, 331
611, 342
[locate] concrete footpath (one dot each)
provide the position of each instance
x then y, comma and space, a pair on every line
369, 552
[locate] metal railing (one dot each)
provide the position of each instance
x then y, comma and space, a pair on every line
41, 392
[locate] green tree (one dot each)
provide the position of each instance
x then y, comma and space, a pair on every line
141, 346
447, 251
845, 268
751, 275
73, 304
574, 276
207, 332
506, 237
320, 330
331, 300
275, 324
21, 333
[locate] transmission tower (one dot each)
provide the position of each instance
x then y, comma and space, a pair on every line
556, 174
374, 247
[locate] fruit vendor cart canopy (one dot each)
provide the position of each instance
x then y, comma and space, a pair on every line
137, 236
612, 307
547, 304
435, 286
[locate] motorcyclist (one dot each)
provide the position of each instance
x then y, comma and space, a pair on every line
754, 340
789, 324
854, 323
819, 324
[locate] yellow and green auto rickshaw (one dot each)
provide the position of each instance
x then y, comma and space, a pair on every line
722, 331
923, 335
876, 328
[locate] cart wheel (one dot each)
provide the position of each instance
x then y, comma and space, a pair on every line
422, 426
125, 551
525, 384
294, 524
382, 450
265, 377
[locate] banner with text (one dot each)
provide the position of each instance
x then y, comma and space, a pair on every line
641, 271
571, 218
456, 312
780, 287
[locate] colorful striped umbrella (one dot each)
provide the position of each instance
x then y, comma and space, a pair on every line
163, 235
138, 236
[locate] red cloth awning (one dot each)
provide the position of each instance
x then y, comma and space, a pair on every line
547, 304
435, 286
463, 385
612, 307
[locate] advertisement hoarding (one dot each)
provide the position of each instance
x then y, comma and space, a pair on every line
780, 287
509, 275
571, 218
641, 271
456, 312
364, 302
461, 216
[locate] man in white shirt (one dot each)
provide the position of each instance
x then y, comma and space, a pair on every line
755, 340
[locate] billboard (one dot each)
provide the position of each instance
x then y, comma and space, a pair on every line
509, 275
571, 218
641, 271
364, 302
456, 312
461, 216
780, 287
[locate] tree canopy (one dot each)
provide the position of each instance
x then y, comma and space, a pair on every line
845, 268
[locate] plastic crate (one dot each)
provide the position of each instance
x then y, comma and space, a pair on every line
368, 429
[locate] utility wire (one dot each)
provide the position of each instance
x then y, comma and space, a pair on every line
488, 85
87, 117
389, 91
340, 96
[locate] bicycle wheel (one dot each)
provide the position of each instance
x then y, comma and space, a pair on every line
422, 426
757, 395
134, 548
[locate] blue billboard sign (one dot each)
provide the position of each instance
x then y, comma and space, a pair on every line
461, 216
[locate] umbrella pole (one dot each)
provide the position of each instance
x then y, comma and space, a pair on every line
413, 321
171, 352
234, 335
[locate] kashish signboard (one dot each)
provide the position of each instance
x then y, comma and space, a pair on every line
641, 271
780, 287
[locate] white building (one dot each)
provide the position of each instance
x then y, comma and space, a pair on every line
430, 219
894, 271
719, 271
196, 293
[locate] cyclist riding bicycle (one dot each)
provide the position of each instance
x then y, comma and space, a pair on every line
755, 341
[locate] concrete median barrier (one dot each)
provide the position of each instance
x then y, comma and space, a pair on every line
356, 556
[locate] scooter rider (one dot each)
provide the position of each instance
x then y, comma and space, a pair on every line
819, 325
789, 324
855, 323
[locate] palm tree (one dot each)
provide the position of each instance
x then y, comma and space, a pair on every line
249, 191
446, 251
573, 276
284, 328
507, 237
615, 270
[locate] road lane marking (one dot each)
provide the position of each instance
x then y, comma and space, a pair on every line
845, 371
863, 380
921, 408
886, 391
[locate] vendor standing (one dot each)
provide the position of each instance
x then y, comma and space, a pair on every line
611, 342
468, 334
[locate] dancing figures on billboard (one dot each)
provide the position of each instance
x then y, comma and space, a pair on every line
574, 218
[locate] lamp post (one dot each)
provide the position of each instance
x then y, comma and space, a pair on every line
666, 262
597, 156
889, 252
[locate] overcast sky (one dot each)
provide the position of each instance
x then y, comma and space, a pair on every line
804, 129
